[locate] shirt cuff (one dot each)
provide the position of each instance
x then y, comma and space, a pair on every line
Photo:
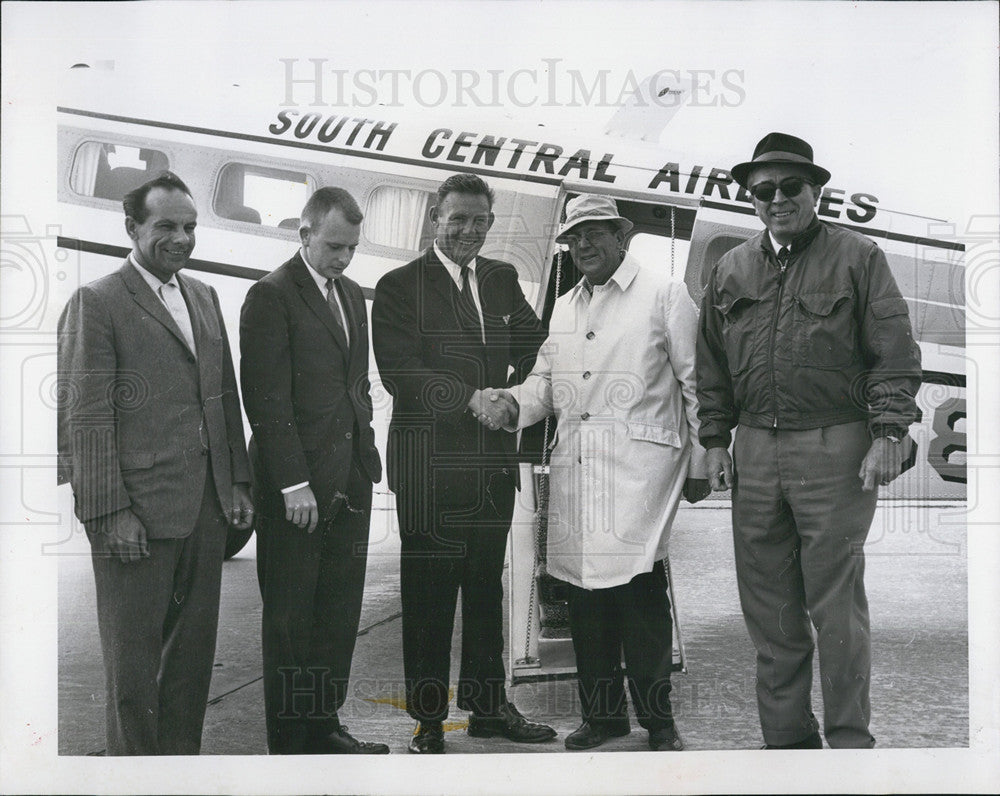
288, 489
888, 430
515, 393
715, 442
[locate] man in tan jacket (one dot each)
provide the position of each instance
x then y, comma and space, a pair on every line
151, 439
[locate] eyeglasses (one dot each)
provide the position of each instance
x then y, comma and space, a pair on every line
592, 237
790, 187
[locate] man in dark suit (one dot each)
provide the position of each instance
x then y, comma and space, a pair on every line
304, 370
151, 439
445, 327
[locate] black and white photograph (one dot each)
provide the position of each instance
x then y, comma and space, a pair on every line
544, 386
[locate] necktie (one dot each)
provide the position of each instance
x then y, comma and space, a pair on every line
178, 310
468, 312
331, 299
783, 255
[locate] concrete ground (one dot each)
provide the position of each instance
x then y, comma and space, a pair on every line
917, 588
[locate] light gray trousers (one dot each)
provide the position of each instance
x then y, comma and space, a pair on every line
800, 520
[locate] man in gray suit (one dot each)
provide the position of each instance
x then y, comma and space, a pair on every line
151, 439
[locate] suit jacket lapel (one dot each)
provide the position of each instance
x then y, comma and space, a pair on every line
201, 325
316, 301
352, 309
483, 270
488, 299
438, 281
149, 301
437, 278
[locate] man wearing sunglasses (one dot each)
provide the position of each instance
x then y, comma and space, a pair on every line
804, 346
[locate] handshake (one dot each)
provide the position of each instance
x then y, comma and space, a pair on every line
495, 409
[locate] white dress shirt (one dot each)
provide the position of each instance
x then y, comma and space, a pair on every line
778, 246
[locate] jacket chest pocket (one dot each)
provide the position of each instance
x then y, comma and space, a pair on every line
824, 331
739, 324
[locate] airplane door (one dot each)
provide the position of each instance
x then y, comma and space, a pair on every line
715, 232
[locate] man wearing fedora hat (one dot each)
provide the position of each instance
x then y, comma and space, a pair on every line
617, 370
804, 346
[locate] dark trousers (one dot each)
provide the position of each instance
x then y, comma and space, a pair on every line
633, 618
312, 585
158, 618
800, 520
446, 549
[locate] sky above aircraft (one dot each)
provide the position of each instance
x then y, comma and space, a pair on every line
905, 94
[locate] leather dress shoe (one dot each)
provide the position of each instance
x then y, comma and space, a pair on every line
509, 723
589, 735
666, 739
428, 740
812, 741
341, 742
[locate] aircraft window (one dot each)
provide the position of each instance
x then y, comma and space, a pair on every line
109, 171
654, 251
398, 217
262, 195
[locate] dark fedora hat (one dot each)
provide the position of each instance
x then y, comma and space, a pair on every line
780, 148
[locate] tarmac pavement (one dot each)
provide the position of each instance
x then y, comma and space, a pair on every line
917, 588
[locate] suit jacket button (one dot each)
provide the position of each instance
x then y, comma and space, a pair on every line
586, 374
585, 416
204, 451
590, 335
348, 435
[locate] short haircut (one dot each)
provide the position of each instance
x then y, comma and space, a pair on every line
134, 202
471, 184
326, 199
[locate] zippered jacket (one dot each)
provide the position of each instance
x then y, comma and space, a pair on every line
821, 340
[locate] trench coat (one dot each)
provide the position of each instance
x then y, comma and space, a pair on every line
618, 372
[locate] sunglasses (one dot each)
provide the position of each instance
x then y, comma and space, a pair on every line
790, 187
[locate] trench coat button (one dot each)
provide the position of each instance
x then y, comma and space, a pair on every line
586, 374
585, 416
348, 435
590, 335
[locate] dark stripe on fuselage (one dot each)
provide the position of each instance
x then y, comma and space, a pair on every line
733, 208
873, 233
